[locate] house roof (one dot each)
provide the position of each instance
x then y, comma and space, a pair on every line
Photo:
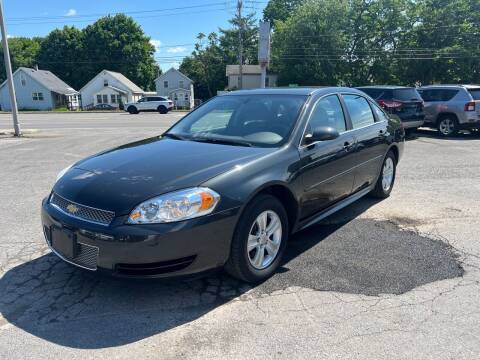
120, 77
173, 70
246, 69
47, 79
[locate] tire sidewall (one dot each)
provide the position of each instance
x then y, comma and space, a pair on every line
392, 156
250, 214
162, 109
132, 110
455, 129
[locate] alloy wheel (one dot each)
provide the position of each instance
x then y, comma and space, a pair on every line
447, 126
264, 239
387, 174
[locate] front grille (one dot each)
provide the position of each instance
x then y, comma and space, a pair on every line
154, 268
83, 212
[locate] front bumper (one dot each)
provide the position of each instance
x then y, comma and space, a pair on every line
154, 250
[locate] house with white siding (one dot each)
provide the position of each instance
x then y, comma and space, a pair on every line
109, 87
37, 89
177, 87
251, 77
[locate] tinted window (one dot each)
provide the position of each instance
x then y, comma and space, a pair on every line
438, 94
327, 112
262, 120
359, 110
475, 93
408, 94
377, 93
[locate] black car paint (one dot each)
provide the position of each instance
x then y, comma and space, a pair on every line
309, 179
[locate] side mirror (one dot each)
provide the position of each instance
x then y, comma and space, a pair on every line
322, 133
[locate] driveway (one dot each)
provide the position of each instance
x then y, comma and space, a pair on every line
397, 279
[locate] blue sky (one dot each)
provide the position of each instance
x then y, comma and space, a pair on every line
172, 25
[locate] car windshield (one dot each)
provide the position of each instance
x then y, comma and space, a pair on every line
246, 120
406, 95
475, 93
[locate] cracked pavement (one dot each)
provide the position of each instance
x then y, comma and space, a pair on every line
397, 279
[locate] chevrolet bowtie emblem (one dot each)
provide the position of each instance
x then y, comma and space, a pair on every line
72, 209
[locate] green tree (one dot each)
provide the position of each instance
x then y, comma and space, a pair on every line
280, 10
23, 52
63, 52
118, 43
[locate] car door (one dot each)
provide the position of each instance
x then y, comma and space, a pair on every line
370, 129
141, 104
327, 167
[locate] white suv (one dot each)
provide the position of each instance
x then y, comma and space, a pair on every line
150, 103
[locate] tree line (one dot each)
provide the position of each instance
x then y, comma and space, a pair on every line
75, 55
351, 42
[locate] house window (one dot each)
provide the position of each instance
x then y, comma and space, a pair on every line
180, 84
99, 99
105, 82
267, 81
186, 97
23, 79
105, 98
165, 84
37, 96
119, 99
113, 98
175, 97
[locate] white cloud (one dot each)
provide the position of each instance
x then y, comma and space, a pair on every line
156, 44
177, 49
71, 12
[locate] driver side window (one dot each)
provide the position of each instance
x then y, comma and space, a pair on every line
327, 112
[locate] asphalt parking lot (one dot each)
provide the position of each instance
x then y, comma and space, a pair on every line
396, 279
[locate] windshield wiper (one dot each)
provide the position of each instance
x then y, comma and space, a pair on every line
235, 142
173, 136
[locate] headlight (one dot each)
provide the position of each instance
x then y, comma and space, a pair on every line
61, 173
175, 206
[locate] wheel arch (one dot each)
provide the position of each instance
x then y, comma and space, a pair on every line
444, 115
285, 195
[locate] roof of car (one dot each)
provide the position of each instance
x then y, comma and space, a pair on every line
437, 86
290, 91
390, 87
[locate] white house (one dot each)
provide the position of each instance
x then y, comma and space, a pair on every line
109, 87
251, 77
38, 90
176, 86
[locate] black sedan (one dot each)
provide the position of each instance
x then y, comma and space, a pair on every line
225, 186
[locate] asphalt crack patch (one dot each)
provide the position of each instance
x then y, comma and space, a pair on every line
363, 256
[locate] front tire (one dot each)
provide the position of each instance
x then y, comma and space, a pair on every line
162, 109
259, 240
132, 110
385, 181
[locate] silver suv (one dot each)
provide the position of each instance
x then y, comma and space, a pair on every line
451, 108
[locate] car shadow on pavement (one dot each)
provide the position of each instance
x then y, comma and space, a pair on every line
67, 306
434, 134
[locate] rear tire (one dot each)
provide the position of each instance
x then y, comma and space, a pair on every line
162, 109
447, 126
132, 110
386, 180
259, 240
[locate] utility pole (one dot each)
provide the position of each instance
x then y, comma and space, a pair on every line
8, 68
240, 43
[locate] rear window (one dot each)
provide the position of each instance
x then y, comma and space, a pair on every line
378, 94
475, 93
406, 94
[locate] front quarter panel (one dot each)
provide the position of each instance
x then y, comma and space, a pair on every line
239, 185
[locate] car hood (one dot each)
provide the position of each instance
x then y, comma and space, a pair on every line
121, 178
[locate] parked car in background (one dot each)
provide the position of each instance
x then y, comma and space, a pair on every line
451, 108
405, 102
104, 107
150, 103
225, 186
